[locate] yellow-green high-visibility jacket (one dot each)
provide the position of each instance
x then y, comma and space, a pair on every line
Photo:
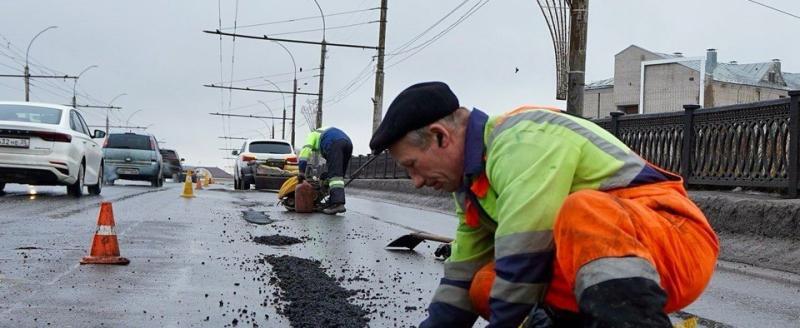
318, 141
520, 167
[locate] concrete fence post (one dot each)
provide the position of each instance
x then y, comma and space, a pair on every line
794, 143
688, 142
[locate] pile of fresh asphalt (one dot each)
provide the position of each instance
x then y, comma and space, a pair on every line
276, 240
314, 299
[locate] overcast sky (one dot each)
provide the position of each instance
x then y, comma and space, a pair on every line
155, 52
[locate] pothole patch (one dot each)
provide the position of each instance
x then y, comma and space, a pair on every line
314, 299
256, 217
276, 240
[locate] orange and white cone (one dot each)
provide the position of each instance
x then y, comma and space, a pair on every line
105, 249
199, 184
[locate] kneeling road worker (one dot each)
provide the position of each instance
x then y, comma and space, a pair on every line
335, 146
560, 223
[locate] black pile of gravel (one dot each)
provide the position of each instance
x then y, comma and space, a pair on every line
314, 298
276, 240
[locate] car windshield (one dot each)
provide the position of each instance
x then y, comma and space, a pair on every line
129, 141
266, 147
30, 114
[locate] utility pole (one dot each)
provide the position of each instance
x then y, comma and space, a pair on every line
321, 78
579, 14
377, 111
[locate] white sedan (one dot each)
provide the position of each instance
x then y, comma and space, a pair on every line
46, 144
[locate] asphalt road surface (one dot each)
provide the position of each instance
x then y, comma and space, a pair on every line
194, 263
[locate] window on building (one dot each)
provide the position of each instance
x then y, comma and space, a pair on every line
631, 109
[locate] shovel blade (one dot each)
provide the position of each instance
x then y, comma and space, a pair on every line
408, 241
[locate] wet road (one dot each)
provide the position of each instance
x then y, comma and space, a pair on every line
193, 262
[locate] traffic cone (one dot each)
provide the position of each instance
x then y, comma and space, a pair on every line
199, 184
205, 181
105, 249
187, 187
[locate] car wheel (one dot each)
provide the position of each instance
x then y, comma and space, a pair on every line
76, 189
2, 186
154, 181
96, 189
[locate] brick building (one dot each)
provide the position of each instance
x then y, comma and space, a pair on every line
672, 80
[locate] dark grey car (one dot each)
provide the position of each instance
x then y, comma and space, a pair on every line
132, 156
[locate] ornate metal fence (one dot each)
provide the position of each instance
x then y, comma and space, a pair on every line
748, 145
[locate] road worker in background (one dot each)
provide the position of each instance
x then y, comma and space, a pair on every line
335, 146
559, 221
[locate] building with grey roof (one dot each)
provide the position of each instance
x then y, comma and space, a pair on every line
652, 82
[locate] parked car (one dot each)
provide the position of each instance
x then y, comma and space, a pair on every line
45, 144
264, 162
172, 167
133, 156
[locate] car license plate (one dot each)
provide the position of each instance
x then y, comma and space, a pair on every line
127, 171
15, 142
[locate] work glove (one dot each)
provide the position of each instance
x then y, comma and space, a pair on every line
443, 251
539, 317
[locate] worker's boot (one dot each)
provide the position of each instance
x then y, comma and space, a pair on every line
627, 302
334, 208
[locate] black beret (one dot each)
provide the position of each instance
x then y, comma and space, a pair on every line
417, 106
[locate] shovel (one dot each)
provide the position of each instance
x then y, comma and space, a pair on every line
411, 240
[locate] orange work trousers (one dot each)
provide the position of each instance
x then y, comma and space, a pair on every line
656, 222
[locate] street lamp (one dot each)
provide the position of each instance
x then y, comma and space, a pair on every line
283, 126
321, 68
127, 122
270, 114
75, 85
294, 88
27, 70
111, 104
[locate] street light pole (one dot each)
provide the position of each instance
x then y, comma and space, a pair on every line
294, 89
270, 114
110, 104
321, 68
283, 124
75, 85
27, 70
127, 122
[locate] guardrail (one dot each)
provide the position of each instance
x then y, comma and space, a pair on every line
747, 145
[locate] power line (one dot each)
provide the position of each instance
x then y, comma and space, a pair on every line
775, 9
432, 40
299, 19
418, 36
327, 28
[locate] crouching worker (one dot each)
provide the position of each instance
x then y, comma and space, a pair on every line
334, 145
560, 223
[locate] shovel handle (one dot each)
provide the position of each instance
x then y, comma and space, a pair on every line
355, 173
432, 237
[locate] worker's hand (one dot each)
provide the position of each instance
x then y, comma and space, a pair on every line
539, 317
443, 251
301, 178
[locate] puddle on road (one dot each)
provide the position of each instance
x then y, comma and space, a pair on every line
256, 217
302, 281
276, 240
